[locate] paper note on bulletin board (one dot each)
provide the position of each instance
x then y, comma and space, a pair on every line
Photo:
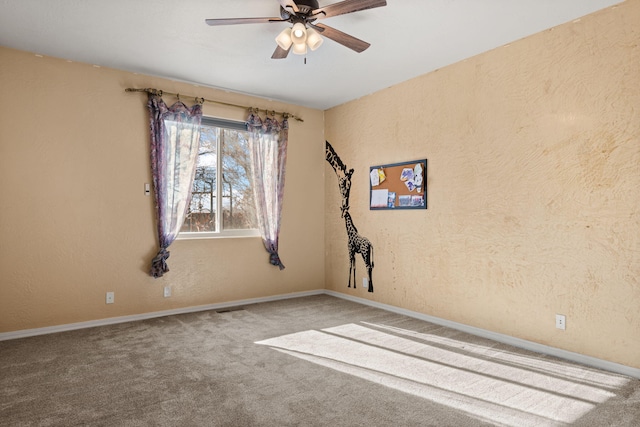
398, 185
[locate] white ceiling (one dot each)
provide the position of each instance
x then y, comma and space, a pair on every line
169, 38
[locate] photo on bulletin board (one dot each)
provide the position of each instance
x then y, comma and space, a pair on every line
398, 186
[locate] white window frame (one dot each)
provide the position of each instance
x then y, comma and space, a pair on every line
196, 235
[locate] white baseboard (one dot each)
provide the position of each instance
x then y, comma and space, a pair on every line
132, 318
502, 338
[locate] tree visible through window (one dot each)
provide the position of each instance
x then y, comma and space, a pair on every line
222, 197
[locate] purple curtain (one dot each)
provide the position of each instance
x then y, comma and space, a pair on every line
268, 147
175, 139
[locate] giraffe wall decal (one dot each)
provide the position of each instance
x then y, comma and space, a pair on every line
344, 175
333, 159
356, 243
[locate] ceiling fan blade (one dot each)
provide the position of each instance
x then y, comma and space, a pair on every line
346, 6
343, 38
280, 53
233, 21
289, 5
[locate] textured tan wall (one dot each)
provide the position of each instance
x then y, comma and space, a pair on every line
533, 188
74, 222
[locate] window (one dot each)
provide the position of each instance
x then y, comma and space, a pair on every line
222, 197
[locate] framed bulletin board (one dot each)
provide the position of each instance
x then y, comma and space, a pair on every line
398, 186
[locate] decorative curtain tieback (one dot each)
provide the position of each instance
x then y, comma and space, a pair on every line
274, 259
159, 263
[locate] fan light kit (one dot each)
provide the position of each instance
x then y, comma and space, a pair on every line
300, 37
304, 32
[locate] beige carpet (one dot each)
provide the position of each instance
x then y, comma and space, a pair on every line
314, 361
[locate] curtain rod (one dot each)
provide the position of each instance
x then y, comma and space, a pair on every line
161, 92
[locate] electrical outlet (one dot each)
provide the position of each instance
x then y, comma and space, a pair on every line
167, 291
561, 321
110, 298
365, 282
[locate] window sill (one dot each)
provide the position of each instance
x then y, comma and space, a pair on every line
225, 234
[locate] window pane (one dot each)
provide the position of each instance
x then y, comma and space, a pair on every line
202, 210
238, 209
222, 197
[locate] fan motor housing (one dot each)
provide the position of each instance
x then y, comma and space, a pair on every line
305, 7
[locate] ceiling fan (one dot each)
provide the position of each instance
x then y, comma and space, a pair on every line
305, 32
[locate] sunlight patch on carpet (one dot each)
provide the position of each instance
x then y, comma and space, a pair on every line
569, 370
491, 385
